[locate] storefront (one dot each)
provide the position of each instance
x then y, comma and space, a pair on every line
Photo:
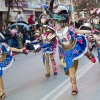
16, 8
38, 12
36, 8
27, 12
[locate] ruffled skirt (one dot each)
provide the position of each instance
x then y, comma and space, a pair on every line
6, 58
76, 52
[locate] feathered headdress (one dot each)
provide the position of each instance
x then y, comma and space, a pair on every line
60, 16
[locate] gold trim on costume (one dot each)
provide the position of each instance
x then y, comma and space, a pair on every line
2, 57
70, 46
98, 44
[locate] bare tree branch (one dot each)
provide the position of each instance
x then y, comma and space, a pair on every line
10, 4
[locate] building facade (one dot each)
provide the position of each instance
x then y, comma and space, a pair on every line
27, 8
3, 11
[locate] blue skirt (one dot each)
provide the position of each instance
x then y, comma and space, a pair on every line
76, 52
7, 62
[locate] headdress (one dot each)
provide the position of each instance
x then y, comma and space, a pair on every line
86, 26
94, 11
42, 19
95, 22
61, 15
95, 17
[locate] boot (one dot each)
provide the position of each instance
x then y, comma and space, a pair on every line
74, 86
47, 72
54, 66
54, 70
2, 93
90, 56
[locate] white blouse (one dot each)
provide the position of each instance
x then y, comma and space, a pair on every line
63, 36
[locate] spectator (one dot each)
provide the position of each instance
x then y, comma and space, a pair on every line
20, 39
23, 31
4, 25
2, 35
8, 35
30, 20
15, 36
3, 32
19, 17
27, 37
31, 36
80, 22
71, 22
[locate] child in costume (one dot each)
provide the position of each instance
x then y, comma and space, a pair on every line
6, 60
95, 23
73, 46
90, 41
49, 45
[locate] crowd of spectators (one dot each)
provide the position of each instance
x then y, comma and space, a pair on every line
16, 37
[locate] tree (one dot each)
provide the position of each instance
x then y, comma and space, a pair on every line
10, 4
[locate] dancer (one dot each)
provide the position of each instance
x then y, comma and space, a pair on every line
46, 42
96, 36
90, 41
49, 45
95, 22
73, 45
6, 60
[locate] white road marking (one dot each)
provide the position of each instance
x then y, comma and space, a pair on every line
79, 74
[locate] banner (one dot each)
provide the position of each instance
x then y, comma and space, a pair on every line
20, 4
33, 5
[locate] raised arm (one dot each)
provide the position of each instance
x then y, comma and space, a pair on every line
83, 31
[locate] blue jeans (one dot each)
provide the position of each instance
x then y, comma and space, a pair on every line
15, 43
10, 42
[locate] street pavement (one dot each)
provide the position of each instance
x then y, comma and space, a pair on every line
25, 80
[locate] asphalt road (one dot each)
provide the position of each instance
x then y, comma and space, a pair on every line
25, 80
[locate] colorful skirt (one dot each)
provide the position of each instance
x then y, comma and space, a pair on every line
6, 57
76, 51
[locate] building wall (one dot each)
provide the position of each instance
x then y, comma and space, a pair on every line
65, 2
28, 11
1, 21
3, 9
2, 5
